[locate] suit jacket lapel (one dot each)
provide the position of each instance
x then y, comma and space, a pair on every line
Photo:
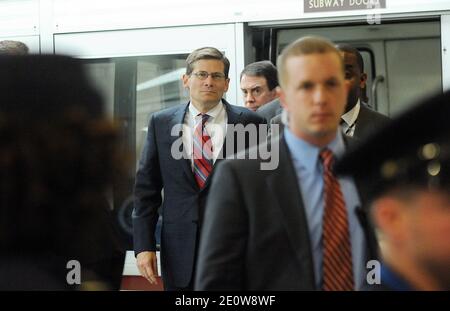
177, 119
363, 121
284, 185
233, 117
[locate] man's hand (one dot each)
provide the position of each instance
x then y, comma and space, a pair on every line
147, 265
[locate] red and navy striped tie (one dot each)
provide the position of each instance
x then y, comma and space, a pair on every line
202, 151
337, 254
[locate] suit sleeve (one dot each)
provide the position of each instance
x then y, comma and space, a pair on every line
262, 131
147, 194
260, 120
223, 238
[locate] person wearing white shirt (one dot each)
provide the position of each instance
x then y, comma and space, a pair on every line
203, 121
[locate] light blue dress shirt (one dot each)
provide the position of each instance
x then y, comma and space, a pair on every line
309, 172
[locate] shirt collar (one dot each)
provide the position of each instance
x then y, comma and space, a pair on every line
213, 113
306, 154
350, 116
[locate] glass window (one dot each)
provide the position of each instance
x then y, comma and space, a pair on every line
132, 89
101, 74
158, 87
413, 71
369, 66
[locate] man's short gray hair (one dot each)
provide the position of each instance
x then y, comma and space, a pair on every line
10, 47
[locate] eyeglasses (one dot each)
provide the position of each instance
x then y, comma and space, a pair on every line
203, 75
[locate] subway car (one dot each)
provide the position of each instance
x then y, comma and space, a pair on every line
135, 51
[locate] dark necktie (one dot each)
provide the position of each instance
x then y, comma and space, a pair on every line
202, 152
337, 254
346, 129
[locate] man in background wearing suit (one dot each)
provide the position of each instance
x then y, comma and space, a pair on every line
358, 120
201, 127
405, 170
296, 227
259, 84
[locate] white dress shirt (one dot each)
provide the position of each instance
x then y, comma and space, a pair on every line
216, 126
350, 117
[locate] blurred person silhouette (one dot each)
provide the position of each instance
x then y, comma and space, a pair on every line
58, 157
11, 47
405, 171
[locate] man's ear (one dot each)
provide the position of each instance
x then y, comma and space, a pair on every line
185, 79
274, 93
277, 91
227, 85
389, 217
363, 81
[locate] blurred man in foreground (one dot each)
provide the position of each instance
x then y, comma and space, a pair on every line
405, 170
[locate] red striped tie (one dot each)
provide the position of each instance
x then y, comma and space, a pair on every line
337, 254
202, 151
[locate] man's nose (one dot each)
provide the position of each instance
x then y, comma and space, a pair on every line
249, 97
208, 81
320, 95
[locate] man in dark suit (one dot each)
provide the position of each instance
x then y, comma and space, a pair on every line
259, 84
183, 144
405, 171
358, 120
295, 227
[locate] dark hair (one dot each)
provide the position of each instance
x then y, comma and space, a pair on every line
352, 50
262, 69
10, 47
207, 53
